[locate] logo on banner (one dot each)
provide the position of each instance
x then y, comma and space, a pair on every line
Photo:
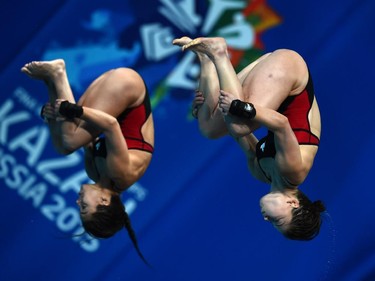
147, 45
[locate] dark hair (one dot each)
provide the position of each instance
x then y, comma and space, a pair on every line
107, 220
306, 219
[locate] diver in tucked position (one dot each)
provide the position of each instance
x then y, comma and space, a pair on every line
113, 122
276, 92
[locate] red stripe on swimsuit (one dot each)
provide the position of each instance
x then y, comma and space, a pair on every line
131, 122
296, 109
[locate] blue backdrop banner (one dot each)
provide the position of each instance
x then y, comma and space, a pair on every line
196, 210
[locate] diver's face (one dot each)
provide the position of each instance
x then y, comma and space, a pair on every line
276, 207
90, 196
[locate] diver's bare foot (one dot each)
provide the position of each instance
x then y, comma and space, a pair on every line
44, 70
186, 40
182, 41
212, 47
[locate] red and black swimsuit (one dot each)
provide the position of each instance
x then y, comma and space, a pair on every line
131, 122
296, 109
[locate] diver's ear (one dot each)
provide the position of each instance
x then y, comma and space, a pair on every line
104, 201
294, 203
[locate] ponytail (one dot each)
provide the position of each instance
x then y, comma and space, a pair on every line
306, 219
107, 220
133, 237
317, 206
